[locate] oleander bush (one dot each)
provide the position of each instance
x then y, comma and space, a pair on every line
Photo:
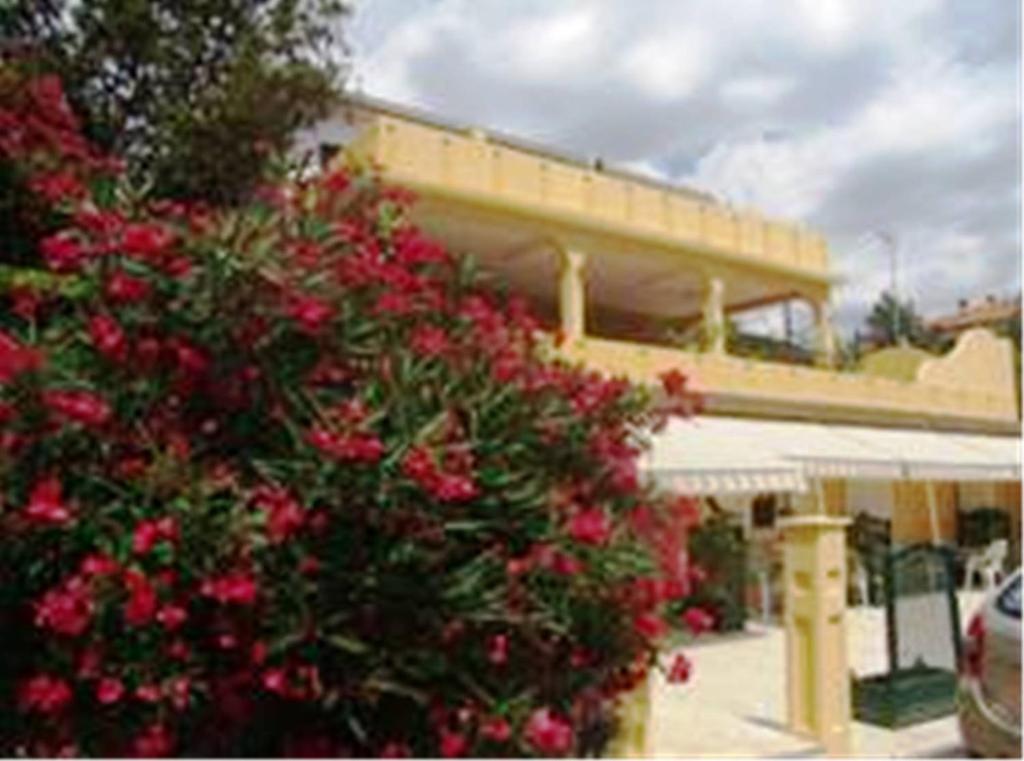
287, 480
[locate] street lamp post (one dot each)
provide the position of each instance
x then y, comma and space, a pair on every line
892, 243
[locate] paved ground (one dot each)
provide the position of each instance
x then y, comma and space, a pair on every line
734, 704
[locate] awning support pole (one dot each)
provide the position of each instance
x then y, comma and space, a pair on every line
933, 510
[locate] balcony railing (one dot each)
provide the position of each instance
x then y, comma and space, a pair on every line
733, 382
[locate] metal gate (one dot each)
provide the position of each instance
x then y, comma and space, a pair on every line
922, 634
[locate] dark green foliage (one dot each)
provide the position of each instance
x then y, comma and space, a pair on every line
718, 548
194, 94
893, 321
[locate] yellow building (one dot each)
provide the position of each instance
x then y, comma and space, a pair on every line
989, 312
608, 258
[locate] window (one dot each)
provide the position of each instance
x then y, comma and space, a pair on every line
763, 511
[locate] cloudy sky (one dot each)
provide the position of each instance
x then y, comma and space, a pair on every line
888, 126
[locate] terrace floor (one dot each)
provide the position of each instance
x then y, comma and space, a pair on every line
734, 704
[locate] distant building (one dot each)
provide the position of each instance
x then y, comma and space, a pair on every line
988, 312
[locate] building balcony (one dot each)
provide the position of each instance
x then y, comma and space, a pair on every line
466, 167
953, 391
609, 257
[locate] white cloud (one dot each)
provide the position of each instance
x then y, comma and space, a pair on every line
549, 46
851, 115
755, 91
667, 66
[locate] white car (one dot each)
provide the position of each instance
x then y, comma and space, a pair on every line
988, 697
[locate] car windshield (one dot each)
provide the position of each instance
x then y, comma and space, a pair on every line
1009, 599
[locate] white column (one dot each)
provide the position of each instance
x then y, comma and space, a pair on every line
572, 293
714, 315
826, 337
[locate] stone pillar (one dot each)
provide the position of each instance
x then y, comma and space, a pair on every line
572, 294
817, 676
714, 315
826, 336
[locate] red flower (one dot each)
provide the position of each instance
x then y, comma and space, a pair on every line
148, 533
65, 610
311, 313
108, 337
275, 680
171, 617
109, 691
89, 663
122, 288
44, 694
63, 252
142, 601
177, 266
680, 671
393, 303
258, 652
99, 565
395, 750
153, 742
429, 341
82, 407
178, 650
453, 744
548, 733
284, 515
696, 574
350, 447
100, 222
45, 505
698, 620
180, 690
145, 240
590, 526
448, 487
565, 565
418, 464
412, 248
57, 187
580, 657
649, 625
336, 181
674, 382
497, 650
25, 301
191, 360
237, 588
496, 729
16, 359
148, 693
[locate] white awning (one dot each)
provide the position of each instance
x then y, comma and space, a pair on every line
711, 455
942, 456
705, 455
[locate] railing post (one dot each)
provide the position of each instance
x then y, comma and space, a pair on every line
572, 293
817, 678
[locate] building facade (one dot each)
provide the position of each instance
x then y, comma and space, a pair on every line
610, 259
621, 266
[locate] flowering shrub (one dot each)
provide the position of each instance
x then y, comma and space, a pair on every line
286, 481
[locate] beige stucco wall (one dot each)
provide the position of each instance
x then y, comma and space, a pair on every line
911, 521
